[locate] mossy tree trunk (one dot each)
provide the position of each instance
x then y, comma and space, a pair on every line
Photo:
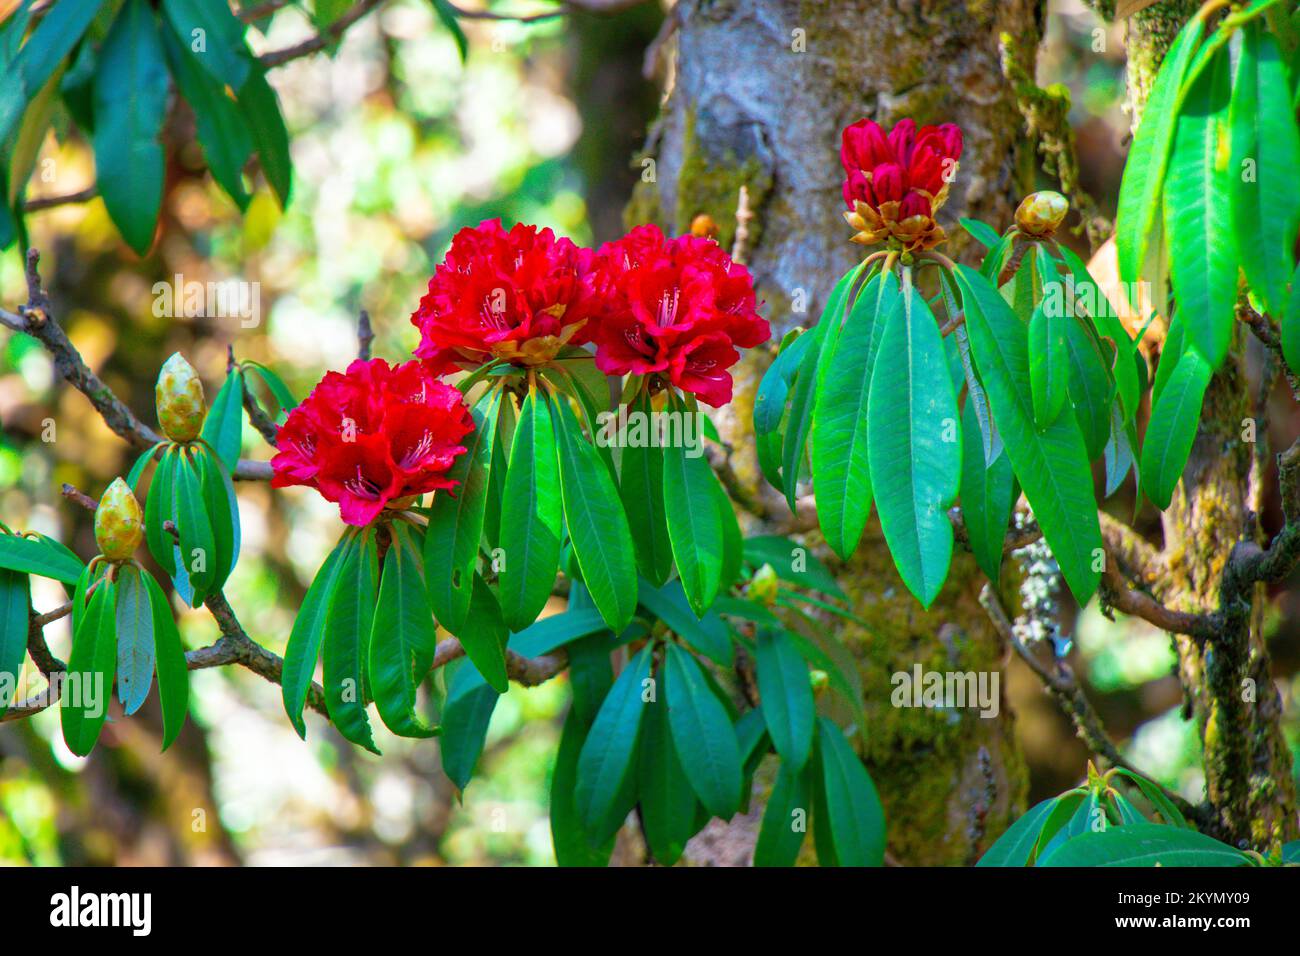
758, 92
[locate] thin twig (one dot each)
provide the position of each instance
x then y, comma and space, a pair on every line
50, 202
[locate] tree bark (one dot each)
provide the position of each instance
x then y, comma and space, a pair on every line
758, 93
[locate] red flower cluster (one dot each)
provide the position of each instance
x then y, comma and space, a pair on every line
895, 184
678, 307
520, 295
372, 435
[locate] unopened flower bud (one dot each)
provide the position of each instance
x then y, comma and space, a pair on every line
1040, 214
179, 396
763, 585
119, 524
704, 226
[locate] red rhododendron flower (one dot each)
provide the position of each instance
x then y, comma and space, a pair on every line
520, 295
894, 184
679, 308
372, 435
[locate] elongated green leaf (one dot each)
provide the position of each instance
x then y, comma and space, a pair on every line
668, 804
694, 524
484, 637
169, 661
402, 638
261, 112
1291, 323
530, 517
41, 556
605, 788
215, 38
135, 640
1163, 805
1052, 464
574, 845
159, 506
914, 446
703, 734
15, 601
597, 526
1172, 428
1144, 844
1265, 157
1202, 250
1048, 365
708, 634
198, 547
1123, 810
812, 366
84, 702
1089, 386
982, 233
280, 391
349, 616
770, 404
465, 719
1148, 157
451, 543
223, 512
986, 497
222, 427
130, 105
303, 649
841, 474
1016, 845
785, 818
221, 129
35, 62
783, 683
853, 811
641, 489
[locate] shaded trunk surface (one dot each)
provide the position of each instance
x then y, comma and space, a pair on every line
758, 93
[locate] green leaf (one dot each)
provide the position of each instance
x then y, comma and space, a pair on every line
570, 836
694, 523
914, 446
530, 517
1052, 463
668, 804
221, 129
786, 692
451, 543
223, 512
703, 734
84, 705
159, 507
855, 818
1203, 252
484, 636
465, 719
733, 545
1265, 140
169, 661
402, 637
130, 106
214, 37
987, 496
1156, 796
785, 818
605, 788
15, 600
792, 562
303, 649
349, 616
1123, 809
982, 233
447, 17
41, 556
261, 112
1048, 365
1144, 844
197, 545
1015, 847
280, 391
1291, 323
641, 489
135, 641
770, 403
1148, 157
707, 634
841, 474
57, 33
1172, 428
1089, 385
598, 528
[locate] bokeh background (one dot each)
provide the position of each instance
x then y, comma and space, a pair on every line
397, 143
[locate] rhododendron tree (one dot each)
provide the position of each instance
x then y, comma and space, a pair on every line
531, 482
